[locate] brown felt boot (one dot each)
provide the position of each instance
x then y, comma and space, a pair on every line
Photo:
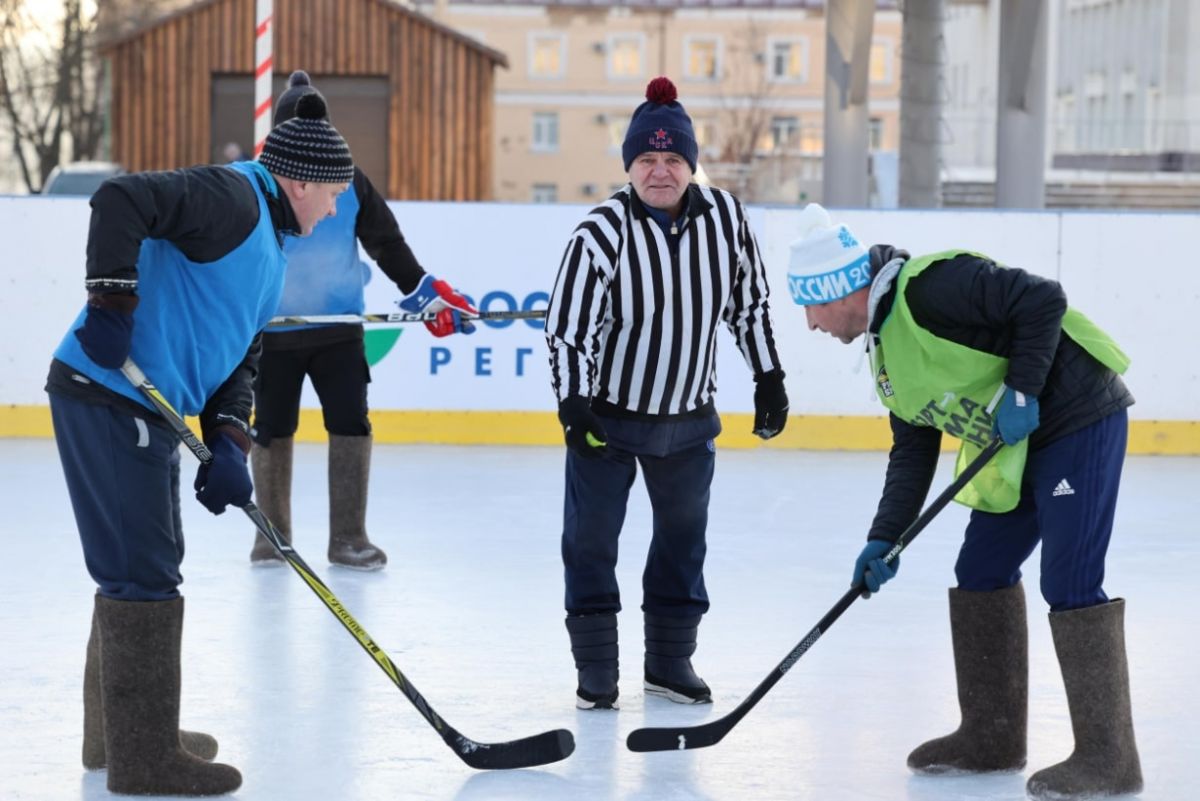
196, 743
139, 686
272, 467
1090, 644
349, 469
991, 660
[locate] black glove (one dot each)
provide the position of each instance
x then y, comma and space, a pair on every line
107, 331
770, 404
226, 479
584, 432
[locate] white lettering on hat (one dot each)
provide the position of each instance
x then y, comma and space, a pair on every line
808, 290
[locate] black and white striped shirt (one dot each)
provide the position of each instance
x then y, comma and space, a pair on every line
634, 327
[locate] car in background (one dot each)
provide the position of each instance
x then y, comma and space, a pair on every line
80, 177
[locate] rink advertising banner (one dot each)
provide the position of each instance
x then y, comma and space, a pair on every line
494, 385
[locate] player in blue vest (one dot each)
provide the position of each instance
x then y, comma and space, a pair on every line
184, 269
325, 276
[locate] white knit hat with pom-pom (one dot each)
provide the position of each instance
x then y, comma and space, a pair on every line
827, 262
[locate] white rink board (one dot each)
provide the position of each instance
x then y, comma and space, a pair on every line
1122, 269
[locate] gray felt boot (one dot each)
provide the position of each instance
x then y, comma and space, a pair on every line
140, 685
349, 470
196, 743
991, 659
272, 466
1091, 652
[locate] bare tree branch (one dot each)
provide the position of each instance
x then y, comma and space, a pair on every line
50, 87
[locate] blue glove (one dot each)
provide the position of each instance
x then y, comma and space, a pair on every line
869, 568
454, 311
582, 429
226, 479
107, 331
1017, 416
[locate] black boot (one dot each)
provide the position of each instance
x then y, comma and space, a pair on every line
1090, 644
140, 683
349, 470
594, 646
991, 660
272, 466
196, 743
670, 643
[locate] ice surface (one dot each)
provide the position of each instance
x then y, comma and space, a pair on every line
470, 610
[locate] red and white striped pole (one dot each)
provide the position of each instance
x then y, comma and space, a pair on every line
263, 70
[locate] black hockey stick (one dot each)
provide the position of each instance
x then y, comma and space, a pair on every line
540, 749
686, 737
401, 317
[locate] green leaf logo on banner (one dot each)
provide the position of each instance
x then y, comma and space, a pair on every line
378, 342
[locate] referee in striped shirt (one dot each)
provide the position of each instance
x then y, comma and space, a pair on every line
646, 280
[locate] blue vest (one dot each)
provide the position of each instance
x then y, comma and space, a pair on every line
195, 321
325, 274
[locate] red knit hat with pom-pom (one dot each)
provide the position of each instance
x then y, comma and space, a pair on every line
660, 124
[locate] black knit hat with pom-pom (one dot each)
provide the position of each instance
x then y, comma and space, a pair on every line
299, 85
307, 147
660, 124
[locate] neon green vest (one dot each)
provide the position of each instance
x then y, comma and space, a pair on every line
929, 381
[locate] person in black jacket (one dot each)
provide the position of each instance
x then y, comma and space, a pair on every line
184, 269
962, 345
326, 277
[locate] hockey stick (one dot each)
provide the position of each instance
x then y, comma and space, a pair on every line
540, 749
401, 317
686, 737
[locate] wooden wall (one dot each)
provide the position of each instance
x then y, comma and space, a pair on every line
440, 120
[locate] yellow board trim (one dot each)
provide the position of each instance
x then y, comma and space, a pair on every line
810, 432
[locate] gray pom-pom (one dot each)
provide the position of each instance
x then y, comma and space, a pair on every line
299, 78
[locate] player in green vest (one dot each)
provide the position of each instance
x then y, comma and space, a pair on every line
963, 346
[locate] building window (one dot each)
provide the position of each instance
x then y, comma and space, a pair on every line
616, 132
812, 137
626, 56
545, 132
702, 58
705, 138
787, 60
544, 193
1154, 131
881, 61
1064, 124
784, 133
1131, 134
875, 133
547, 55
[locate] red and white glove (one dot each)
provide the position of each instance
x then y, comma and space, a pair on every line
454, 312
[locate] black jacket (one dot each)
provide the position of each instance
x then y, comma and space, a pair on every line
206, 212
1006, 312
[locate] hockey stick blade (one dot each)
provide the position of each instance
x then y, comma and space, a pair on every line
540, 749
680, 739
528, 752
398, 318
683, 738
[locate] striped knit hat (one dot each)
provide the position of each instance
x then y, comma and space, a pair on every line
307, 147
